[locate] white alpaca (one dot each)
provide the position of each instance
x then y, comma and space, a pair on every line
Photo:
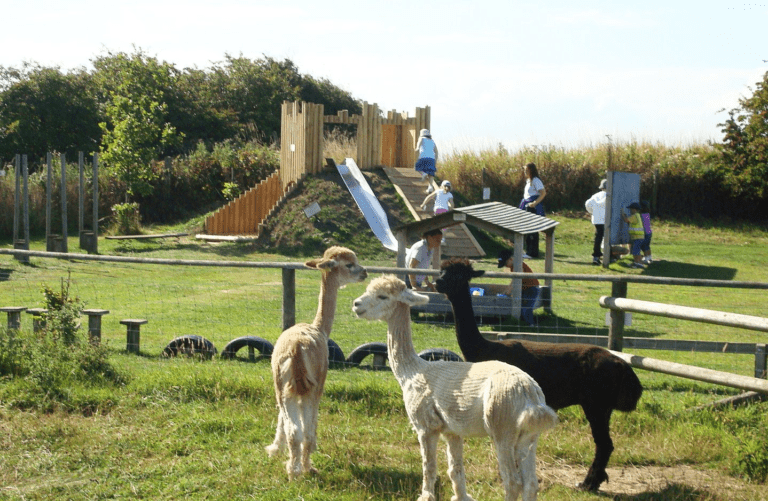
460, 399
300, 363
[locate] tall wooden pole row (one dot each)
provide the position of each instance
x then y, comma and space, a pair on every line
81, 195
63, 165
17, 199
49, 183
95, 182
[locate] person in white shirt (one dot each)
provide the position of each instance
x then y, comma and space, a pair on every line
443, 198
596, 206
533, 196
420, 257
427, 161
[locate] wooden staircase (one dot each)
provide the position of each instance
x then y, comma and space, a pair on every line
459, 242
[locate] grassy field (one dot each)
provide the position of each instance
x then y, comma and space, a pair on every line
178, 428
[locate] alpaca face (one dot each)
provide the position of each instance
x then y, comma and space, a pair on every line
343, 261
455, 276
382, 297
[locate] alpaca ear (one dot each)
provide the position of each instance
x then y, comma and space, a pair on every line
412, 298
321, 264
477, 273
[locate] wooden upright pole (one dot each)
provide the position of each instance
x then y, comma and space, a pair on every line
81, 196
48, 196
17, 199
63, 203
95, 182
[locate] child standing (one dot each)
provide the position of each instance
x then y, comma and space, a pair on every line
426, 164
443, 198
636, 232
645, 215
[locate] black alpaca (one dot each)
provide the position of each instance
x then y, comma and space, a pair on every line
569, 374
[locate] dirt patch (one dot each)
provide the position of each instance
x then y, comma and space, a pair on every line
656, 482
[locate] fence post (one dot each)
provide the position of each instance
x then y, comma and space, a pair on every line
761, 357
616, 329
63, 190
289, 297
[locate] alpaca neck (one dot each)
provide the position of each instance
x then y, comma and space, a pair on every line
402, 356
467, 333
326, 303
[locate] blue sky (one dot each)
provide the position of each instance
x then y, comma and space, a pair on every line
562, 73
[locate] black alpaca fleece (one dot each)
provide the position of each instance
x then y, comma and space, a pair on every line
569, 374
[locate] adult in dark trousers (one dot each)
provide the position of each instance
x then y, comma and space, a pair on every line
596, 206
533, 196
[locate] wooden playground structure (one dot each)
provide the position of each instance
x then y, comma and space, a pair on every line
379, 141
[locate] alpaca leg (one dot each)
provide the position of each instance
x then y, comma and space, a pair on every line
455, 450
295, 436
278, 444
428, 445
599, 420
526, 452
509, 467
309, 444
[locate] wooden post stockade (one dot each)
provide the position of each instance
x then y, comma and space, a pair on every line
21, 207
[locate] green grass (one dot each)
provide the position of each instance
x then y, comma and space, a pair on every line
186, 428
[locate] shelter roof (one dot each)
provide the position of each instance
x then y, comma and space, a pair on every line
496, 217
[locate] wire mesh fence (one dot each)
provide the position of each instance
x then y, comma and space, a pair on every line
222, 301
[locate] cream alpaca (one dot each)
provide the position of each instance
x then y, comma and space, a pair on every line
460, 399
300, 363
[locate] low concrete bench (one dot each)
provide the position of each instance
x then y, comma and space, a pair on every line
133, 333
14, 316
94, 324
37, 322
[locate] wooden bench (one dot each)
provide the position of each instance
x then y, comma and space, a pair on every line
133, 335
14, 316
94, 324
146, 237
490, 304
37, 322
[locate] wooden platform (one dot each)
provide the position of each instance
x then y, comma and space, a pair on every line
459, 242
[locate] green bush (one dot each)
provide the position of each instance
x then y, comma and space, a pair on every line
126, 218
43, 367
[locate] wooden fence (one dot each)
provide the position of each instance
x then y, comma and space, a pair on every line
386, 141
246, 214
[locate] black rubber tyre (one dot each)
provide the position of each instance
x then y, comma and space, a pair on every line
362, 351
335, 355
190, 345
263, 346
433, 354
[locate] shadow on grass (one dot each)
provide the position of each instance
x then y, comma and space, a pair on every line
673, 492
674, 269
388, 481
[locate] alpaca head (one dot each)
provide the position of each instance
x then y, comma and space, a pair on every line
342, 262
455, 275
382, 297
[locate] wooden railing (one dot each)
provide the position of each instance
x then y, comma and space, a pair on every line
245, 215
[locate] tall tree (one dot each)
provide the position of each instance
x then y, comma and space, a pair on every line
42, 110
136, 131
744, 151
